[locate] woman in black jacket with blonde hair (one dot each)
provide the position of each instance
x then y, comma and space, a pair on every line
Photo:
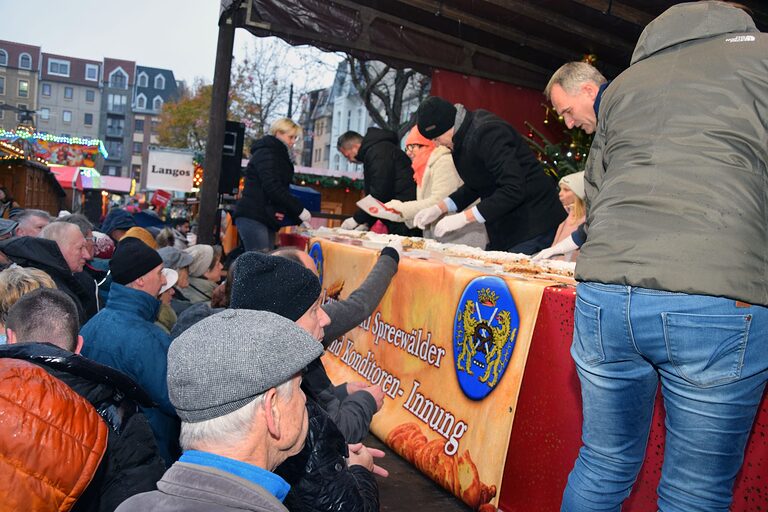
266, 199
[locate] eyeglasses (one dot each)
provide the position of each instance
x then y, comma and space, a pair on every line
90, 239
411, 147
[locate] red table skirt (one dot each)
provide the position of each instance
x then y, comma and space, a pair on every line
546, 434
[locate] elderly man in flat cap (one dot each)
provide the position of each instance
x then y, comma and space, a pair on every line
234, 379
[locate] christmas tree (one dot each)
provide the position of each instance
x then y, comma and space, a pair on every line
559, 158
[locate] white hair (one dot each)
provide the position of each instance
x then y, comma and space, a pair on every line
572, 75
228, 429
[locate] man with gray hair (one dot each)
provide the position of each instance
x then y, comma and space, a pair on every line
234, 379
60, 252
31, 222
575, 91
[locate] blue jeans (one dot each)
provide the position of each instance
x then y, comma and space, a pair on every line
255, 235
711, 358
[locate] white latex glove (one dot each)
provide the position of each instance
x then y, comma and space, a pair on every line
305, 217
562, 247
451, 223
395, 205
349, 223
362, 227
427, 216
397, 245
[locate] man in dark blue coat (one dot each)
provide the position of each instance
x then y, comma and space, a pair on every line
124, 336
518, 201
387, 174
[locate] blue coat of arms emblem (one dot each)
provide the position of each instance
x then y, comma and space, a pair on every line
484, 334
316, 252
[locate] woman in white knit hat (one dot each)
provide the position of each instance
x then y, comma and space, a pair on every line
572, 197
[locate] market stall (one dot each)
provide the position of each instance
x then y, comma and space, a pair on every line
472, 352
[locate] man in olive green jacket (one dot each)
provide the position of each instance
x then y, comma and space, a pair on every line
674, 273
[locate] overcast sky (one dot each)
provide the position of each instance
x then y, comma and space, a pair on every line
173, 34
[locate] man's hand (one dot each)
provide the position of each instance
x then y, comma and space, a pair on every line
378, 395
305, 217
349, 223
355, 386
360, 455
453, 222
427, 216
397, 245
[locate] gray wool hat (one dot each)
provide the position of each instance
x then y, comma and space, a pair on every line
223, 362
174, 258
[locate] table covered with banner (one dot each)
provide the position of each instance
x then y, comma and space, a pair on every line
480, 391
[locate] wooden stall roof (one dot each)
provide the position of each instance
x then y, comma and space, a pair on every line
517, 41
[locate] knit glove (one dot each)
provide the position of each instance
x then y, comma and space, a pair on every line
427, 216
562, 247
305, 217
451, 223
349, 223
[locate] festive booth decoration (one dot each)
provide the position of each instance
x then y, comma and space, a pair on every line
559, 158
328, 181
69, 151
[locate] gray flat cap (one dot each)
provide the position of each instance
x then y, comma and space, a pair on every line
174, 258
223, 362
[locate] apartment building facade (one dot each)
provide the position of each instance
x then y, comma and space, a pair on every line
153, 88
116, 119
19, 67
69, 100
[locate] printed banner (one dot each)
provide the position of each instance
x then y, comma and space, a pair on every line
73, 155
169, 170
448, 346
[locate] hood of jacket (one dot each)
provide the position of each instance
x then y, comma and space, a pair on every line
269, 142
55, 357
374, 136
30, 251
688, 22
137, 302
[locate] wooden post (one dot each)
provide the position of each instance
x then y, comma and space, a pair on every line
209, 194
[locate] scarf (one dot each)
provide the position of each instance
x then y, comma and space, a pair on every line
419, 162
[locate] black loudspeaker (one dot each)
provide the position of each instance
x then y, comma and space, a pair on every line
231, 157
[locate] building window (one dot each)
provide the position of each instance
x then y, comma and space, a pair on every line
68, 93
141, 101
116, 103
136, 171
45, 89
90, 95
2, 85
115, 126
143, 79
25, 61
157, 103
58, 67
3, 58
115, 150
2, 112
22, 110
23, 89
138, 125
137, 148
92, 72
88, 119
118, 79
155, 125
67, 116
45, 114
160, 82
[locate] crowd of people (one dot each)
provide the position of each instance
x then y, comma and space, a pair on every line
170, 376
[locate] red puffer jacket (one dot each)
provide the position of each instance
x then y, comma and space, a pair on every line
51, 440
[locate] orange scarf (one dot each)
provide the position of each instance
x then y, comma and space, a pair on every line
419, 162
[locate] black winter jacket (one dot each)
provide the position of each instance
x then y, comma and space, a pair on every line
267, 184
387, 173
42, 254
319, 476
518, 200
131, 464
